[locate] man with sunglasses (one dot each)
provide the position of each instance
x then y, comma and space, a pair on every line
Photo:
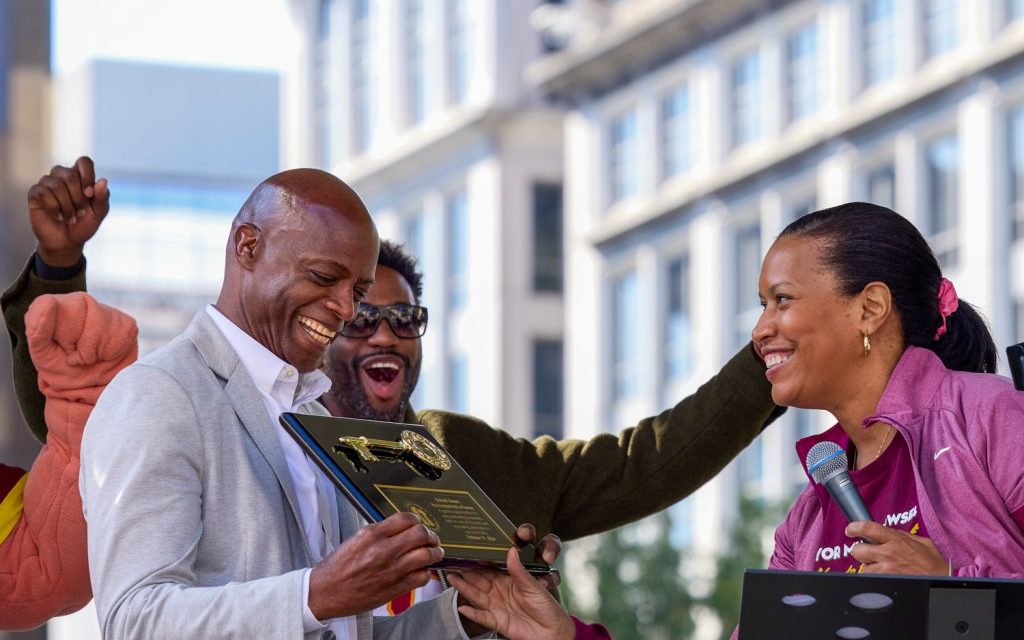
571, 488
374, 363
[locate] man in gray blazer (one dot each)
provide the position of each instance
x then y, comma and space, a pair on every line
205, 519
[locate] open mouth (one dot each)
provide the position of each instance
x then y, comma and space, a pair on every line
317, 330
773, 361
382, 375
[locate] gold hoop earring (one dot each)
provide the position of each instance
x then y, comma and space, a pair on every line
867, 344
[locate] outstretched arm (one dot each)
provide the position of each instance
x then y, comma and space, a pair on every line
78, 345
65, 209
575, 488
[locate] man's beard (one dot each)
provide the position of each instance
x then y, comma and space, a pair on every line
349, 391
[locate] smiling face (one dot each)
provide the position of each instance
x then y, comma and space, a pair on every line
808, 333
308, 272
372, 378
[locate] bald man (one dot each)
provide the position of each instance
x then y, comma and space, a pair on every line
204, 516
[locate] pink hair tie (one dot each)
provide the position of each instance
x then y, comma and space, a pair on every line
948, 303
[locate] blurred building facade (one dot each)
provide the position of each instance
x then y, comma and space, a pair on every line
421, 106
183, 147
698, 129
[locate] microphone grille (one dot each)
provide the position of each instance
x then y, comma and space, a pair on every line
826, 459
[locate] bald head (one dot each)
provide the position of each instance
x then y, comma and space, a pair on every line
283, 195
301, 256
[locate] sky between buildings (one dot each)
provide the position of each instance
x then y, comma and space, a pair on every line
249, 34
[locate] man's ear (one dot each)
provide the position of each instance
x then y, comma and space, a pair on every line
248, 244
875, 306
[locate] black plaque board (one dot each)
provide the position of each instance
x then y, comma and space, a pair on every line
401, 467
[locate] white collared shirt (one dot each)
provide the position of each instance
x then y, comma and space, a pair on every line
283, 388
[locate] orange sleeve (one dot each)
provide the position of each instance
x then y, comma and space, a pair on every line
77, 345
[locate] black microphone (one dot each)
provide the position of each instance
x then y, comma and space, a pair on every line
827, 464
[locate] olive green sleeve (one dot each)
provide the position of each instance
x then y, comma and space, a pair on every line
575, 488
15, 302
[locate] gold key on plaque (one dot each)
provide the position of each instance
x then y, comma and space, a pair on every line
418, 453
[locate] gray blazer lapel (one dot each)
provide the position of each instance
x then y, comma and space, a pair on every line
350, 522
348, 518
248, 404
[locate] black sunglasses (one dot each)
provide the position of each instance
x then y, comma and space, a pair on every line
407, 321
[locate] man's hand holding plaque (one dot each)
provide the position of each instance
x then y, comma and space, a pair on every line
385, 468
381, 561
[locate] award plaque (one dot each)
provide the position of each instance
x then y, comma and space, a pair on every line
386, 467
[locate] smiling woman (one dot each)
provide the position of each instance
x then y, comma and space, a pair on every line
859, 321
804, 306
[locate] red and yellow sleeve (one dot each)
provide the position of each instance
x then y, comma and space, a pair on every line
12, 498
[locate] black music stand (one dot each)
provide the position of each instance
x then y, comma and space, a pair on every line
791, 605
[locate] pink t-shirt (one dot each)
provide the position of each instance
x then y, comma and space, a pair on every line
888, 489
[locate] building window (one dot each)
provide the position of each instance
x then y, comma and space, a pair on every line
457, 207
625, 335
416, 62
1017, 172
624, 156
675, 123
678, 323
800, 208
879, 41
547, 237
325, 125
684, 524
748, 268
458, 384
751, 463
881, 186
459, 49
415, 246
1017, 311
1014, 9
802, 68
547, 388
806, 422
943, 198
747, 105
362, 75
414, 242
550, 38
941, 23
